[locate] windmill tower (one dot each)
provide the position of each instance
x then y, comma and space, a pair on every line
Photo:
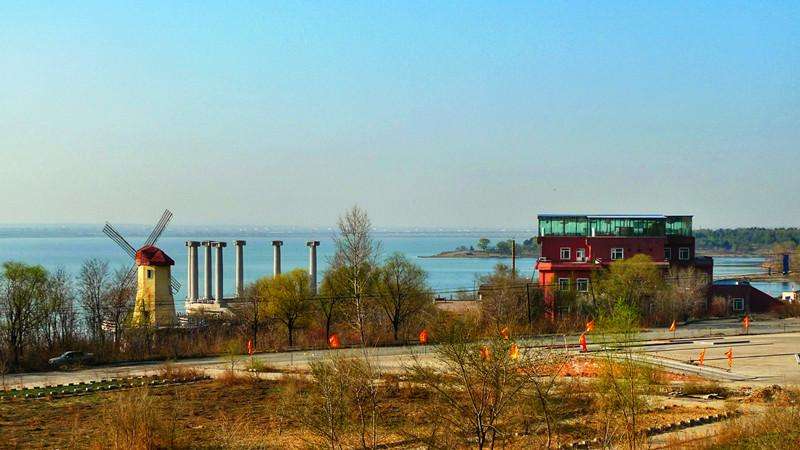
155, 305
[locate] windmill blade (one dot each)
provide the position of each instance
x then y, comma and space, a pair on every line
130, 277
159, 228
176, 286
116, 237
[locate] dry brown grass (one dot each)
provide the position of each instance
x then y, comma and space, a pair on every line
237, 378
778, 427
134, 422
258, 365
704, 388
174, 371
247, 412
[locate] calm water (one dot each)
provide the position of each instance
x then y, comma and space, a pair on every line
444, 274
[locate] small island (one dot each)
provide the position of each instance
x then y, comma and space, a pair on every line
484, 249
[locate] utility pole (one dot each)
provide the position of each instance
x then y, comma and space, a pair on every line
528, 297
513, 259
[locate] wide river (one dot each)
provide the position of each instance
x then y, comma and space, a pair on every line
444, 274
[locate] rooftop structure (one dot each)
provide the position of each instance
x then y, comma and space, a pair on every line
614, 225
153, 256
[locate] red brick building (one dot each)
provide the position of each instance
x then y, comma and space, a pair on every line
574, 246
739, 298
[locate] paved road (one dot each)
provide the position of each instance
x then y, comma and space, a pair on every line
761, 359
388, 358
392, 359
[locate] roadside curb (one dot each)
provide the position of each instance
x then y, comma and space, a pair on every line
658, 429
95, 386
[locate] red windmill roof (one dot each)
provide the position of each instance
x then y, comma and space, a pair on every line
153, 256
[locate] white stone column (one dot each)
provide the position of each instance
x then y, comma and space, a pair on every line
207, 271
191, 271
276, 258
312, 265
218, 288
239, 266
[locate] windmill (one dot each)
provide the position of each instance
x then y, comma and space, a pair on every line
151, 240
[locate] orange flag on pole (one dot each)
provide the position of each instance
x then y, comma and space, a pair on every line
590, 326
504, 332
673, 327
250, 349
746, 323
582, 341
702, 358
729, 354
423, 337
513, 352
333, 341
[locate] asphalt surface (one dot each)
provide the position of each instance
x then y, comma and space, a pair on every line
765, 357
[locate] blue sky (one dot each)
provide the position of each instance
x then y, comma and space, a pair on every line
425, 113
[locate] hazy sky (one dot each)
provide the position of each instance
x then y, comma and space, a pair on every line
424, 113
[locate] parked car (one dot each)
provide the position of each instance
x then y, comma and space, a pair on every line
71, 358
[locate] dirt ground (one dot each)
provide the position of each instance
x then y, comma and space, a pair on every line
213, 414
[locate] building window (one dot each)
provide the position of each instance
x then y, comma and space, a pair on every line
565, 253
683, 253
563, 284
617, 253
580, 254
738, 304
582, 285
149, 273
667, 253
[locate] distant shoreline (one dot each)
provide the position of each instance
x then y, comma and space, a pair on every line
477, 254
723, 254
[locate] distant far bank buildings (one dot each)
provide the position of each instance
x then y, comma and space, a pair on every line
574, 246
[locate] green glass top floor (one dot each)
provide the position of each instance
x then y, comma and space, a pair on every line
649, 225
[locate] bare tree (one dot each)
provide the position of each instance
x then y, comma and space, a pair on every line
334, 289
118, 300
686, 293
544, 378
504, 298
356, 256
403, 291
624, 382
93, 281
60, 317
476, 384
324, 410
250, 311
343, 397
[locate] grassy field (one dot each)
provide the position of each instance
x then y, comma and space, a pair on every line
246, 412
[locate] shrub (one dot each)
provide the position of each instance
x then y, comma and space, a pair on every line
777, 428
704, 388
133, 422
172, 371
